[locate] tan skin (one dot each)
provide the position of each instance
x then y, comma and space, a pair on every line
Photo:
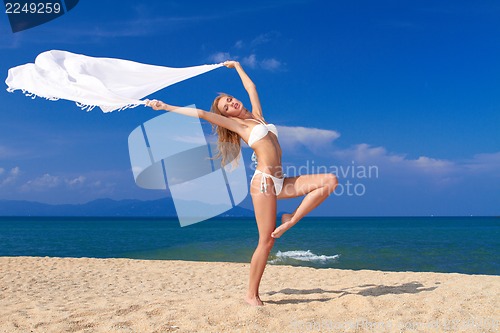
316, 188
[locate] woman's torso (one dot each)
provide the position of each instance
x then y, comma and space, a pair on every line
267, 148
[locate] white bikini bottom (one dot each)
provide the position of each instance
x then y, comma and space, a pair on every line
278, 182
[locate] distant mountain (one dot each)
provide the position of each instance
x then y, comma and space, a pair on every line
103, 207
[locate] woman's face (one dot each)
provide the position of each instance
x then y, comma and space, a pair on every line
230, 106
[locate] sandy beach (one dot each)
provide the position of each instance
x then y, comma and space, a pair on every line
44, 294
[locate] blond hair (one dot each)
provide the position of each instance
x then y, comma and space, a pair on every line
228, 142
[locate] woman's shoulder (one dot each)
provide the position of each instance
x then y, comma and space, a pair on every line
246, 122
260, 120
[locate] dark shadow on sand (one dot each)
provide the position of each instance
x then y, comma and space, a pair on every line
370, 290
405, 288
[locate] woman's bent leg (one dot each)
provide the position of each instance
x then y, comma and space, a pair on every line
316, 188
265, 214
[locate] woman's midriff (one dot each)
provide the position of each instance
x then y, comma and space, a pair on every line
268, 152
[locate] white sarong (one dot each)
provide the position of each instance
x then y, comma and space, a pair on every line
112, 84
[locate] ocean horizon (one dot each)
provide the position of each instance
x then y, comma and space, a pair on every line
469, 245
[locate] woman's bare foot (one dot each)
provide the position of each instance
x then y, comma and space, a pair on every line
286, 223
254, 300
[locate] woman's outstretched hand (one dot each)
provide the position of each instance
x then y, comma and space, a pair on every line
230, 63
156, 105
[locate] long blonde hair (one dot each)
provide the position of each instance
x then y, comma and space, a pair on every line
228, 142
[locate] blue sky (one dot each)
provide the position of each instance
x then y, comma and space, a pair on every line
410, 89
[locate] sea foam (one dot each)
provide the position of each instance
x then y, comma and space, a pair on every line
308, 256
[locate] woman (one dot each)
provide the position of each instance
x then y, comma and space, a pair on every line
233, 121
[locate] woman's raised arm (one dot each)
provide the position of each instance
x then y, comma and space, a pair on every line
197, 113
249, 87
159, 105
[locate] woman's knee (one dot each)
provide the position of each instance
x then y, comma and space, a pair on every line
330, 182
267, 243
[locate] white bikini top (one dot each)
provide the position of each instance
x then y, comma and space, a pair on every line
259, 131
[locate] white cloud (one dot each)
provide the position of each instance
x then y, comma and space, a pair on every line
15, 171
49, 182
220, 57
441, 171
481, 163
11, 176
69, 188
97, 183
250, 61
44, 182
364, 153
270, 64
432, 165
312, 138
75, 181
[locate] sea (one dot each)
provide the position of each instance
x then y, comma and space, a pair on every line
469, 245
